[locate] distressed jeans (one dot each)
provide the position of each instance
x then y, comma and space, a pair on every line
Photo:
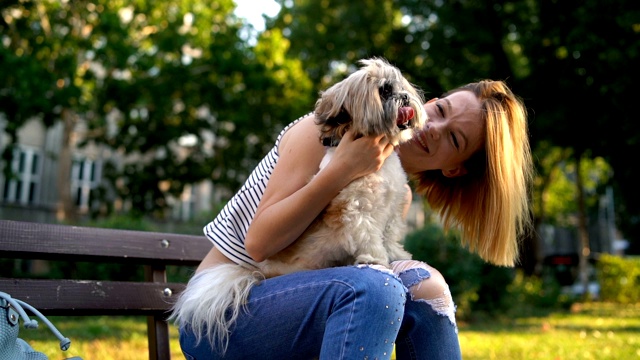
337, 313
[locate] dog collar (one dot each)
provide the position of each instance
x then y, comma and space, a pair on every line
330, 141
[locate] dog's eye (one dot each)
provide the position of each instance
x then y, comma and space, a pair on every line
385, 91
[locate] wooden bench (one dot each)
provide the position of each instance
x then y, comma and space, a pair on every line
66, 297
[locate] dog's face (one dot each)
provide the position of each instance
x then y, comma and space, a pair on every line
374, 100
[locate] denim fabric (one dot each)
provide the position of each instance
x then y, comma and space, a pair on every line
426, 334
337, 313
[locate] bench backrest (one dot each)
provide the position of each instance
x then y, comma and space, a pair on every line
153, 250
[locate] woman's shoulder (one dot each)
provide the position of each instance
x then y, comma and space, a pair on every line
303, 131
300, 150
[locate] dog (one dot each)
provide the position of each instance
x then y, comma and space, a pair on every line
363, 225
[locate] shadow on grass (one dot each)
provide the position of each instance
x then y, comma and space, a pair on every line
591, 316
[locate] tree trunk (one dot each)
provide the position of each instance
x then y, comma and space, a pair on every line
65, 210
583, 233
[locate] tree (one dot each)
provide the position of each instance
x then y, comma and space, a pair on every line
40, 47
568, 186
165, 73
437, 45
170, 87
581, 85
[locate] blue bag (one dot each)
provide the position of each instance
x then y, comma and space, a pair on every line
11, 346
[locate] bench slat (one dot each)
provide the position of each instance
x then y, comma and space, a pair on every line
59, 242
65, 297
81, 297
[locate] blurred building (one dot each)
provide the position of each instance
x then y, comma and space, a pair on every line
31, 192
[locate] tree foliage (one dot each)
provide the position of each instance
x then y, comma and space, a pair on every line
580, 86
38, 61
171, 87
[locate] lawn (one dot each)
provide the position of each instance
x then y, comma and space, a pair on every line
587, 331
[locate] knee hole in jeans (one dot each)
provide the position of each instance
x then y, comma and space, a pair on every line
430, 288
426, 284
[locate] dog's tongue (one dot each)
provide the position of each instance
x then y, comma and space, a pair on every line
405, 114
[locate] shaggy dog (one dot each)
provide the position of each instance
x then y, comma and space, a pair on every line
362, 225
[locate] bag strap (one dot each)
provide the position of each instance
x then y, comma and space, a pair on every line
28, 323
19, 306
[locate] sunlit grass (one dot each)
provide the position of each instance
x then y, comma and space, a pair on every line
102, 337
587, 331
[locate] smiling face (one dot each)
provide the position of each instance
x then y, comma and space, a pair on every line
454, 131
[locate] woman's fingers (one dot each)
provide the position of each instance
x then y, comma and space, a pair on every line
364, 155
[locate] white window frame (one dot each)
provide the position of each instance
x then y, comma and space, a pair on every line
24, 186
85, 177
184, 207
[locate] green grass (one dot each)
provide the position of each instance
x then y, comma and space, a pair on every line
587, 331
100, 337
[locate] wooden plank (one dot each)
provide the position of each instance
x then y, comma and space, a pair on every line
27, 240
81, 297
152, 298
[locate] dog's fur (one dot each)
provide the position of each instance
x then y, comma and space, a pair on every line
362, 225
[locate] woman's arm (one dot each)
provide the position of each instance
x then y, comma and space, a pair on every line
291, 202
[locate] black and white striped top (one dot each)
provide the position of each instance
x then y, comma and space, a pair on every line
228, 230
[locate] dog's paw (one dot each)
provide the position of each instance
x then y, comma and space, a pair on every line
378, 267
363, 260
370, 259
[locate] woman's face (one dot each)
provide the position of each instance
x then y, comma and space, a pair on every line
454, 131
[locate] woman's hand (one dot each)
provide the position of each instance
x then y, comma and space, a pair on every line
357, 157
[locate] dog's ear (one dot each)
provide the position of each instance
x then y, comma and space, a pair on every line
342, 118
333, 128
454, 172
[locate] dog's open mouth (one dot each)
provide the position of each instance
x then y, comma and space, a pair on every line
405, 114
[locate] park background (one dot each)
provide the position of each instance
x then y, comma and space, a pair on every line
149, 115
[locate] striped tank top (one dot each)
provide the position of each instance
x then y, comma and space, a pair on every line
228, 230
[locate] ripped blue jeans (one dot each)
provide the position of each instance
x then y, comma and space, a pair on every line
342, 313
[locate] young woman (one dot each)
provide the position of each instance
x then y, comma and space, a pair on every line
471, 161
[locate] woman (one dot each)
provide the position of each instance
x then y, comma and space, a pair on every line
471, 161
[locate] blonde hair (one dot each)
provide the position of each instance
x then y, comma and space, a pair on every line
490, 204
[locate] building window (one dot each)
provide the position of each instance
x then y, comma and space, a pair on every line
85, 178
23, 186
184, 206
